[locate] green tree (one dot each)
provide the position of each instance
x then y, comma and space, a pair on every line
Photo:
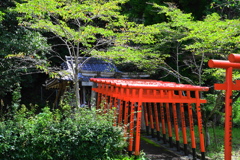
200, 41
142, 11
168, 41
21, 49
86, 28
211, 38
195, 42
229, 9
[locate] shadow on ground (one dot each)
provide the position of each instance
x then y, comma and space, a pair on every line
155, 151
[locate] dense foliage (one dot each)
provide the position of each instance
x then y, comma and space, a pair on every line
21, 50
66, 134
190, 43
85, 28
169, 39
142, 11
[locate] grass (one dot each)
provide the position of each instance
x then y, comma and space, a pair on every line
150, 142
216, 149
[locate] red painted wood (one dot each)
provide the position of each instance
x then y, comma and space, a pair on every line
147, 92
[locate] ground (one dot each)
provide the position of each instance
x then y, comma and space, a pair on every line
156, 151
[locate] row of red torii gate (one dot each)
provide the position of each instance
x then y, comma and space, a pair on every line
166, 108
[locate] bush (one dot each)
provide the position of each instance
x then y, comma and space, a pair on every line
66, 134
236, 113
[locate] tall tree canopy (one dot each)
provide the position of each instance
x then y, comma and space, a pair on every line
21, 49
142, 11
88, 27
192, 43
176, 44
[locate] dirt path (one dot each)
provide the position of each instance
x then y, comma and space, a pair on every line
156, 151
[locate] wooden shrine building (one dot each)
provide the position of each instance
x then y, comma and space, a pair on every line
90, 67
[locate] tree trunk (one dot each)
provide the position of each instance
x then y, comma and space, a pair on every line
207, 135
76, 82
76, 69
77, 95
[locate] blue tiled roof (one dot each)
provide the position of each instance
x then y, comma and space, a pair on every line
89, 64
98, 65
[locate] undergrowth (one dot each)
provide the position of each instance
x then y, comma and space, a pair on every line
63, 134
216, 148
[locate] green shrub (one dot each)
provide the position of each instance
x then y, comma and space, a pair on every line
236, 113
66, 134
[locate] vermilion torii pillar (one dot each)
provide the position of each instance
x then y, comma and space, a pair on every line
134, 93
233, 62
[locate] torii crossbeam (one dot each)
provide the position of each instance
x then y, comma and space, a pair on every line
129, 96
233, 62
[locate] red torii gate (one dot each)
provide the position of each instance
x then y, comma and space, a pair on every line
233, 62
130, 95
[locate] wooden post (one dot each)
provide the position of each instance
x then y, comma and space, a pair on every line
228, 86
138, 124
134, 93
184, 131
156, 121
131, 127
176, 125
151, 118
200, 127
163, 123
146, 117
169, 124
191, 126
228, 115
